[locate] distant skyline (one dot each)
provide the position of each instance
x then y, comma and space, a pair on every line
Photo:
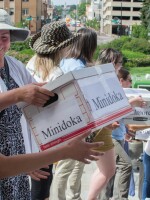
61, 2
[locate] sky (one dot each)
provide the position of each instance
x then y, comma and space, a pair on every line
61, 2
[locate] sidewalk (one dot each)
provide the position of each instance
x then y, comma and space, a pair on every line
86, 177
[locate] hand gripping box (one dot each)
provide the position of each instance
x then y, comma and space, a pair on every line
89, 98
140, 116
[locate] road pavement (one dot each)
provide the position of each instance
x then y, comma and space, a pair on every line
86, 177
101, 38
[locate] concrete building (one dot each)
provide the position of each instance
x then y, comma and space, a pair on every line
29, 11
93, 10
118, 16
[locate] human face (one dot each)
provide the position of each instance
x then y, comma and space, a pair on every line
4, 42
126, 83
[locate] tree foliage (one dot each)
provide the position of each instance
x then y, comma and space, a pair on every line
94, 23
139, 31
82, 9
145, 13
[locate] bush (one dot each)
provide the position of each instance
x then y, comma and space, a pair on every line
137, 45
139, 31
138, 62
130, 54
19, 46
24, 56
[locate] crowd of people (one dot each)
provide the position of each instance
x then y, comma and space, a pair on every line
58, 51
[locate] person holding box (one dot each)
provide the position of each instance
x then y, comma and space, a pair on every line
68, 173
51, 46
18, 86
121, 179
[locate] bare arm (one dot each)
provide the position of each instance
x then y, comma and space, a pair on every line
76, 149
31, 94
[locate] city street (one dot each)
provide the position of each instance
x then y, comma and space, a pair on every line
101, 38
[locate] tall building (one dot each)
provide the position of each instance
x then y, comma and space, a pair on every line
28, 10
120, 15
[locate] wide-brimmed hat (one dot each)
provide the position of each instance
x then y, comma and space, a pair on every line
53, 37
16, 34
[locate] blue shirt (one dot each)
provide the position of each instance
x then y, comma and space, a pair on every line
119, 133
71, 64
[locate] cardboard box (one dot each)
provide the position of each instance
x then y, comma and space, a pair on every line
140, 116
90, 98
143, 134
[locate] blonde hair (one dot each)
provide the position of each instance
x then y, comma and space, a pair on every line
46, 64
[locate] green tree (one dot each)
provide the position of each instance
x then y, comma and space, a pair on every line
81, 9
139, 31
72, 8
145, 13
94, 23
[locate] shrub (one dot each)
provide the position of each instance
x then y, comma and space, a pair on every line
137, 45
139, 31
19, 46
138, 62
24, 56
131, 54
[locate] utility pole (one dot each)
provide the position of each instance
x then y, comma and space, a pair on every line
21, 12
121, 20
99, 15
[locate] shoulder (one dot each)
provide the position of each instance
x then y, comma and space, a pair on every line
71, 64
55, 74
30, 65
18, 71
12, 60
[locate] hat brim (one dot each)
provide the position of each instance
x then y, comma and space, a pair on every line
42, 48
16, 34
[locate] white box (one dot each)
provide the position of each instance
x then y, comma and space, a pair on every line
143, 134
90, 98
140, 116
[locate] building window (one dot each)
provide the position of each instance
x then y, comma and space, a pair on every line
138, 1
11, 0
121, 17
11, 11
136, 18
136, 9
25, 11
123, 0
123, 8
25, 0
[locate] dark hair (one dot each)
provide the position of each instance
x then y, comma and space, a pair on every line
85, 46
109, 55
123, 73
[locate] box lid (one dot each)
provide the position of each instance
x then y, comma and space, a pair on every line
79, 74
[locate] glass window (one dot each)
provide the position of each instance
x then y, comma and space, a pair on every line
11, 11
136, 9
136, 18
25, 0
123, 8
25, 11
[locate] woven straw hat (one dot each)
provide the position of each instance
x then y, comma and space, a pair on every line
16, 34
53, 37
